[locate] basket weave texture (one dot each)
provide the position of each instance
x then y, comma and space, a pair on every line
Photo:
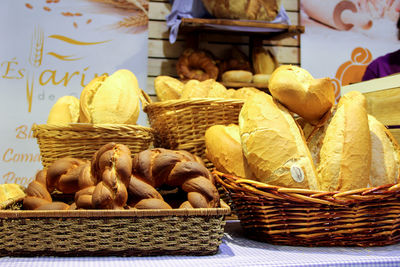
81, 140
112, 232
301, 217
181, 124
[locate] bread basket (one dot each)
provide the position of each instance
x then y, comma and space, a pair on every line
300, 217
112, 232
181, 124
80, 140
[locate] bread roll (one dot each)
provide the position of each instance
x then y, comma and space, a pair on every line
204, 89
10, 193
296, 89
167, 88
245, 92
264, 62
64, 111
224, 150
111, 99
342, 147
237, 76
261, 78
385, 161
274, 145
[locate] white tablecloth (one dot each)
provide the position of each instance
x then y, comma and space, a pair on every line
235, 250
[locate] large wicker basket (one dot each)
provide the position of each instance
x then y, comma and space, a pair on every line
112, 232
83, 140
299, 217
181, 124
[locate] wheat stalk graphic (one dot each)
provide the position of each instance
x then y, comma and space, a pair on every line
36, 53
35, 59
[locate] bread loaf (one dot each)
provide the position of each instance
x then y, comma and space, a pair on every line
111, 99
38, 197
224, 150
64, 111
385, 161
167, 88
299, 92
10, 194
159, 166
342, 147
274, 145
112, 167
265, 10
264, 62
243, 76
204, 89
63, 175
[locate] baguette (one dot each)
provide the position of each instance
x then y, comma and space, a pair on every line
385, 161
274, 145
224, 150
341, 148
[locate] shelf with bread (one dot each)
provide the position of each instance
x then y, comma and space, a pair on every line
104, 188
328, 176
265, 30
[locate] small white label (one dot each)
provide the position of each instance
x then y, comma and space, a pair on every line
297, 173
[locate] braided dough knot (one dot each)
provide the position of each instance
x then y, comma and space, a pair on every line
112, 168
156, 167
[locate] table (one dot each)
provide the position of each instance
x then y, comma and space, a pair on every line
235, 250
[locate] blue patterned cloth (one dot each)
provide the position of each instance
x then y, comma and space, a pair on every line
195, 9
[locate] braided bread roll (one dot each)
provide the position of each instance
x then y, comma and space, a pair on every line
87, 183
38, 197
159, 166
112, 167
63, 175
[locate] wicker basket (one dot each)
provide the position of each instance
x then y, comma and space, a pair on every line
112, 232
81, 140
181, 124
290, 216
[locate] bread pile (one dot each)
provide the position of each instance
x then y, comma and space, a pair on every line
265, 10
115, 180
345, 149
169, 88
235, 67
106, 99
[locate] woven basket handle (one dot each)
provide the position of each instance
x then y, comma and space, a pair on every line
144, 98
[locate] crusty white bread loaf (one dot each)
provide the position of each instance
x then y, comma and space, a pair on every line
265, 10
299, 92
385, 161
64, 111
10, 194
167, 88
111, 99
341, 148
273, 144
224, 150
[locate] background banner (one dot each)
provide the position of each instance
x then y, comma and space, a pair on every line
52, 48
342, 37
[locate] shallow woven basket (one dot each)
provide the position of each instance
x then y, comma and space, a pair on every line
112, 232
299, 217
80, 140
181, 124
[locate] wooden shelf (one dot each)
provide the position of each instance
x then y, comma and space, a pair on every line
264, 30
